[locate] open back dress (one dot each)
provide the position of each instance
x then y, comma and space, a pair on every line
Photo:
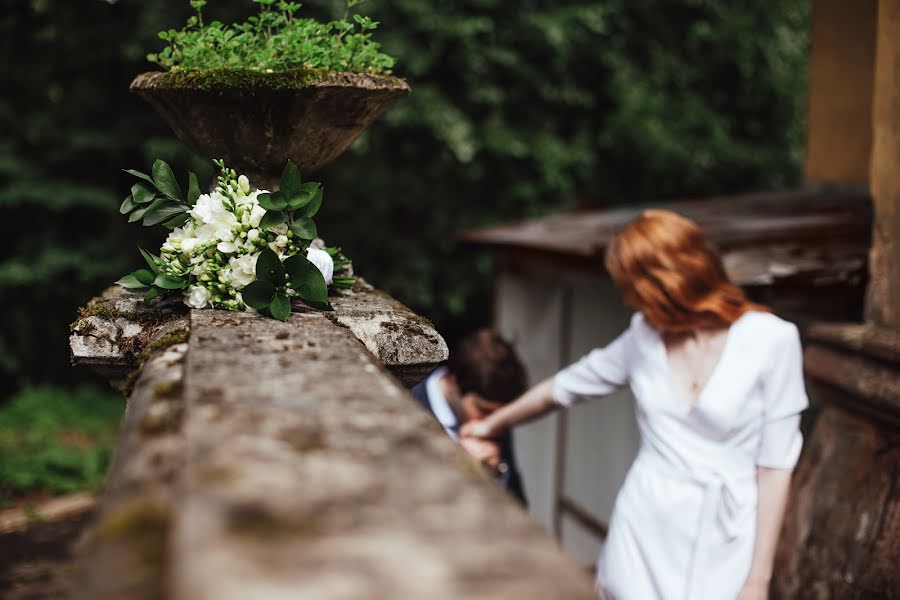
684, 522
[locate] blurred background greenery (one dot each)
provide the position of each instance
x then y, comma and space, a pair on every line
518, 109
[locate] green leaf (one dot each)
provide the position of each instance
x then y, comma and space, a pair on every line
163, 212
276, 201
312, 208
151, 294
142, 193
193, 189
258, 294
165, 180
272, 218
130, 282
304, 228
177, 221
152, 260
306, 278
127, 206
169, 282
290, 179
304, 195
138, 214
145, 276
280, 307
143, 176
269, 267
323, 306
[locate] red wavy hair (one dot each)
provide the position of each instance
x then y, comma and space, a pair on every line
666, 268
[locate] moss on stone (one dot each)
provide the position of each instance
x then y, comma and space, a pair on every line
142, 524
176, 336
140, 351
239, 79
170, 389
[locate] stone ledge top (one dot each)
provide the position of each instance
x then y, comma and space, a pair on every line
115, 329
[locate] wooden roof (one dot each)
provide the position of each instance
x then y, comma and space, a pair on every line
762, 236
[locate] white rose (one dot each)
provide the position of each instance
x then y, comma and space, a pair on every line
197, 296
323, 262
243, 269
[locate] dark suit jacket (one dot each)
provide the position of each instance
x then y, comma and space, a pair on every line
510, 480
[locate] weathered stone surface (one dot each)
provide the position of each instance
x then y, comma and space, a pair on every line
310, 474
841, 537
264, 459
117, 326
405, 343
256, 131
126, 552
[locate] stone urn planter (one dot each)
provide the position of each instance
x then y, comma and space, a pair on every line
257, 121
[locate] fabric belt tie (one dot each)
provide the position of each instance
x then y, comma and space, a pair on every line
721, 508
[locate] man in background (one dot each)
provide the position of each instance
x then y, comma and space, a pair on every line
482, 375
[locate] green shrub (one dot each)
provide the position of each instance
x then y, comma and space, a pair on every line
57, 441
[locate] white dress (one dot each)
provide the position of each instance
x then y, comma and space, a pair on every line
684, 521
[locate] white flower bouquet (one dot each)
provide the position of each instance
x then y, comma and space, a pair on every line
235, 248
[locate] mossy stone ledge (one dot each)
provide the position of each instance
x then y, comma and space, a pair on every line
257, 121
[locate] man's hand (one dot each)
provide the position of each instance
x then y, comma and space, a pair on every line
483, 451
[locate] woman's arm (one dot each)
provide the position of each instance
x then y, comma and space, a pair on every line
773, 485
534, 403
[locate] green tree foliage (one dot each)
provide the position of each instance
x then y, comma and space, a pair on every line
518, 109
539, 106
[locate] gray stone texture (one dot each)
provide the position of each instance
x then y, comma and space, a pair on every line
256, 131
266, 459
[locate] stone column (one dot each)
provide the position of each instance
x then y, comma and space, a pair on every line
883, 301
841, 71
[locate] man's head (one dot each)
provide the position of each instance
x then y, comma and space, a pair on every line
487, 372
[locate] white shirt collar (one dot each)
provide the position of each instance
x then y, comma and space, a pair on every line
438, 402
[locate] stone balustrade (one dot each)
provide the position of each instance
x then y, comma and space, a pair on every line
266, 459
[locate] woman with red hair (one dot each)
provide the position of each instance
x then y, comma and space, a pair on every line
718, 383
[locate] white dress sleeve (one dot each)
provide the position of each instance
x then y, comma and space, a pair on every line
784, 398
600, 372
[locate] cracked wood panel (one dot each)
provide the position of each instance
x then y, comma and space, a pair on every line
310, 473
841, 537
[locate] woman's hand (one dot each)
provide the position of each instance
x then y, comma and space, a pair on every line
534, 403
754, 590
477, 429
